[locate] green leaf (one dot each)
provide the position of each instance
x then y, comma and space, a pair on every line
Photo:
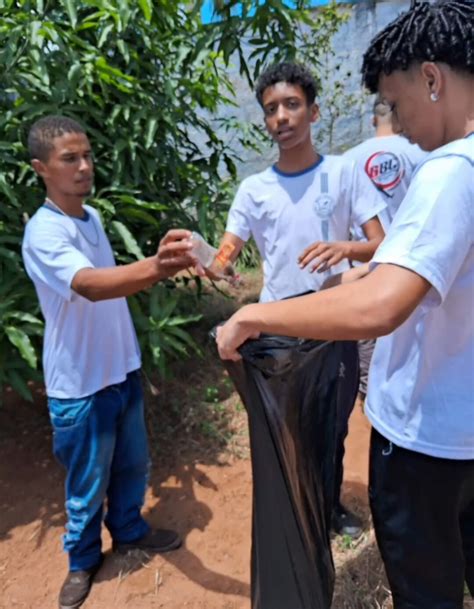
133, 213
151, 132
185, 337
105, 34
184, 320
123, 48
8, 191
18, 384
21, 341
147, 8
25, 317
36, 35
71, 11
74, 73
128, 239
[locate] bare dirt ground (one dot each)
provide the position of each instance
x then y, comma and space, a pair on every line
209, 504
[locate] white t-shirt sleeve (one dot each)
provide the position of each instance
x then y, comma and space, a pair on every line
433, 230
238, 219
50, 258
366, 201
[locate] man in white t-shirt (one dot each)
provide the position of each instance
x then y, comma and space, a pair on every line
91, 357
389, 160
300, 211
419, 297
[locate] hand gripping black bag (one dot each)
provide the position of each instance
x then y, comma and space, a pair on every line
293, 390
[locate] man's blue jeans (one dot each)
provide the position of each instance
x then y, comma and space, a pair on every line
101, 441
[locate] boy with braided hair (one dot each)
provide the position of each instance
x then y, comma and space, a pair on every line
417, 296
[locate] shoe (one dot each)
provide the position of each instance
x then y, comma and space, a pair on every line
345, 522
76, 587
156, 541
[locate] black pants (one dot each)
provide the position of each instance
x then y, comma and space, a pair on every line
423, 511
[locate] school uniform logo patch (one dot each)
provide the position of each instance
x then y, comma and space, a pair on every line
324, 206
385, 170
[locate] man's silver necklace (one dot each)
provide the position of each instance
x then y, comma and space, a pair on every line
76, 224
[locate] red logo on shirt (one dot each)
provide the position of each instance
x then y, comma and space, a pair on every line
385, 170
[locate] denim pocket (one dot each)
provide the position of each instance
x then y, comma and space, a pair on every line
66, 413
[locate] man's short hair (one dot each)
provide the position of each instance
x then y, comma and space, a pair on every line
291, 73
44, 131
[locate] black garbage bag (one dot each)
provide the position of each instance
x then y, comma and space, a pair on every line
292, 390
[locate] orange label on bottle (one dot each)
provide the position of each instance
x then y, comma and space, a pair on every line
224, 253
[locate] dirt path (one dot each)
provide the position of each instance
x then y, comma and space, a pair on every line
209, 505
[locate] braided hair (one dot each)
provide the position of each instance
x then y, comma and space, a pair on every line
442, 31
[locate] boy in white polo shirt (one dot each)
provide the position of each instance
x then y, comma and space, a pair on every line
300, 212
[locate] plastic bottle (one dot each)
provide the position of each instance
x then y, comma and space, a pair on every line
204, 252
218, 262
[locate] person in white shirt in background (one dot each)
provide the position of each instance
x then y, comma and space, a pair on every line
419, 297
389, 160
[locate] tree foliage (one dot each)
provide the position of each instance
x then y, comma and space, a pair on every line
147, 80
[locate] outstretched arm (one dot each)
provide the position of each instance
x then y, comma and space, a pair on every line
172, 256
370, 307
